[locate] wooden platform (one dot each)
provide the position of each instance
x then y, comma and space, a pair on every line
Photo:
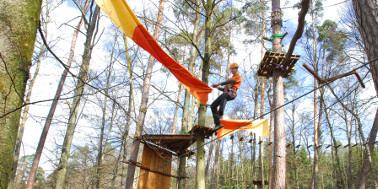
178, 143
276, 61
200, 130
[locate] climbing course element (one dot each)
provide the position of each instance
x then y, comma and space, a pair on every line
321, 81
121, 14
273, 61
259, 126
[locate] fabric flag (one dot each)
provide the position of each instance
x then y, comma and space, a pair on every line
121, 14
259, 126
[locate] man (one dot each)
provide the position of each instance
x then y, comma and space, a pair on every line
229, 93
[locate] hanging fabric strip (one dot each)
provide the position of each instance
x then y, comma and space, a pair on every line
121, 14
259, 126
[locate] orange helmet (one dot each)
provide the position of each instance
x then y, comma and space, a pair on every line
234, 65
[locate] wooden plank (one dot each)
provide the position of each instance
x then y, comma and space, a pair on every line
161, 167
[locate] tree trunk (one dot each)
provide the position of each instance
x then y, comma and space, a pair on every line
262, 79
262, 93
270, 155
101, 148
200, 156
23, 121
143, 104
279, 146
370, 144
213, 182
253, 154
231, 163
241, 165
350, 176
18, 23
78, 92
338, 164
261, 162
366, 14
54, 104
115, 170
316, 129
210, 154
185, 113
128, 114
176, 109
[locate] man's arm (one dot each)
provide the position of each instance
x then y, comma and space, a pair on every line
224, 83
228, 82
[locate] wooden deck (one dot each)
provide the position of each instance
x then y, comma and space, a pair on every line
178, 143
276, 61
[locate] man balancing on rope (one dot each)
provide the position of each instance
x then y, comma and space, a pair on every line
229, 93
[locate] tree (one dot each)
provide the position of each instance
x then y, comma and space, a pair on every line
317, 123
366, 12
200, 155
17, 38
102, 144
143, 104
23, 170
279, 145
25, 117
185, 114
54, 104
82, 79
332, 42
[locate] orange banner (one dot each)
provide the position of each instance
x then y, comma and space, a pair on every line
259, 126
121, 14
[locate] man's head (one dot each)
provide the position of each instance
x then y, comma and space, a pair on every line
234, 68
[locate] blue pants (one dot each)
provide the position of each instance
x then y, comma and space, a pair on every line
220, 102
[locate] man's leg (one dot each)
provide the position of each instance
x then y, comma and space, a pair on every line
223, 101
214, 110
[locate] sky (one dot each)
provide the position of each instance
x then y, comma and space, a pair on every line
46, 83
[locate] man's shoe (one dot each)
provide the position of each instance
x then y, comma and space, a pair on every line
218, 126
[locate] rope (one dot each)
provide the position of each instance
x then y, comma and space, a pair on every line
130, 78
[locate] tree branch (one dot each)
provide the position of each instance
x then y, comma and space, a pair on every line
298, 33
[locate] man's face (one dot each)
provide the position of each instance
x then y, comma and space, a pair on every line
234, 70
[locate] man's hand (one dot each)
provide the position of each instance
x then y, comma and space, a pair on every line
215, 85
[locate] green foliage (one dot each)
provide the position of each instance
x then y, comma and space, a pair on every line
252, 22
317, 10
291, 81
23, 170
333, 41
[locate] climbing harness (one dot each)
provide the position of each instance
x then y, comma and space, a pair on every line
230, 90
